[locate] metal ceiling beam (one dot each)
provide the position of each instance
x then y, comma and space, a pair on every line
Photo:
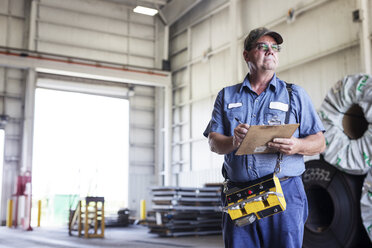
62, 66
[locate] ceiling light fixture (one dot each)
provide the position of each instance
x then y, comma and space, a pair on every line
145, 10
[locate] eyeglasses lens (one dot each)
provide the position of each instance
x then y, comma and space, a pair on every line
265, 47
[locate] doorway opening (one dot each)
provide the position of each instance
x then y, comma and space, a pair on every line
80, 149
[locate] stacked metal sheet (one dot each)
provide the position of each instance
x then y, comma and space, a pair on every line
182, 211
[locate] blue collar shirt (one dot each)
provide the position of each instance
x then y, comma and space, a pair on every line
240, 101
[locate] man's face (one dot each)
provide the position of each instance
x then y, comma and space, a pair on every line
260, 60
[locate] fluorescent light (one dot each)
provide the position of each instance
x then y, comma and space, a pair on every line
145, 11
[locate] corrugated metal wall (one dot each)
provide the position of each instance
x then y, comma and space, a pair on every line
96, 30
142, 145
321, 45
92, 30
12, 99
12, 90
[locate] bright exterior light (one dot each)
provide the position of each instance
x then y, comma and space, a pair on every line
145, 11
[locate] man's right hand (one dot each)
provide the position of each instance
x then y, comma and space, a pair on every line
222, 144
239, 133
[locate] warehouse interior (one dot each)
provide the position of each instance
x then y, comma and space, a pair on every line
103, 103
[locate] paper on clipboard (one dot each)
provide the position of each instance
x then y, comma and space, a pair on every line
257, 137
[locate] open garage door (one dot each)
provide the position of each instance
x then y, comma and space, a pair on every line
80, 149
140, 122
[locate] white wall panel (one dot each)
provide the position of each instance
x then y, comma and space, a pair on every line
143, 101
318, 30
3, 27
200, 80
185, 94
185, 154
142, 145
143, 31
17, 7
220, 29
12, 23
4, 6
369, 7
176, 115
259, 13
16, 33
201, 114
185, 117
141, 154
179, 60
143, 170
139, 18
177, 95
242, 65
179, 78
191, 179
71, 18
200, 39
201, 156
141, 47
96, 7
112, 34
217, 162
69, 36
142, 117
14, 83
203, 9
140, 189
176, 142
15, 107
185, 132
319, 76
141, 62
144, 91
178, 42
176, 136
221, 74
141, 135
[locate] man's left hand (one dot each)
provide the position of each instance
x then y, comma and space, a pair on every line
285, 146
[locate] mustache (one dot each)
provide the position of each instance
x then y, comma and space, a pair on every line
269, 57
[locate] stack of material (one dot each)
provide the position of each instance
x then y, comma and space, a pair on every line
180, 211
121, 219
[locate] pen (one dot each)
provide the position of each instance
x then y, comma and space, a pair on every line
238, 120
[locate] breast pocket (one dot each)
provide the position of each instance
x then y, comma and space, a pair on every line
274, 117
235, 113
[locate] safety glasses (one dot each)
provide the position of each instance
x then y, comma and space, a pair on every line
265, 47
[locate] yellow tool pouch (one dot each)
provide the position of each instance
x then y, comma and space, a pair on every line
257, 199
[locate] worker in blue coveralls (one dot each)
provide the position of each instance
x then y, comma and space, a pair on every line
261, 98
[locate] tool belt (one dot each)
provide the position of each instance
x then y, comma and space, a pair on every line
257, 199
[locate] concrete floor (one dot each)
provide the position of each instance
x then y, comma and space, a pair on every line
133, 236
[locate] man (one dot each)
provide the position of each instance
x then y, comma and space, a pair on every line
260, 99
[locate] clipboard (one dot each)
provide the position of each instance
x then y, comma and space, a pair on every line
257, 137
